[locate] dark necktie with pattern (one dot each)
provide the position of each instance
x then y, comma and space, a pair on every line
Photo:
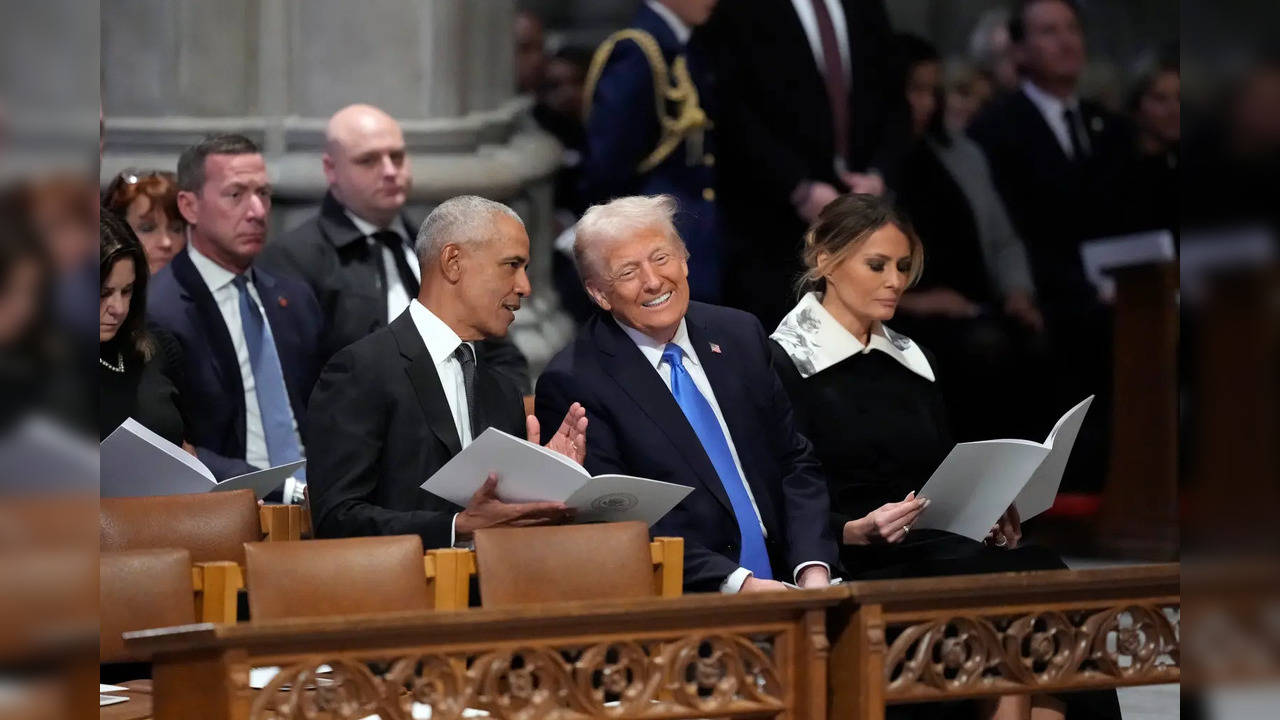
467, 359
833, 75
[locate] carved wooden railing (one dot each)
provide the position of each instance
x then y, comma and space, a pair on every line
929, 639
699, 656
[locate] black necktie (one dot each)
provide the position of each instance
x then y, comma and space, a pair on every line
395, 243
467, 358
1079, 147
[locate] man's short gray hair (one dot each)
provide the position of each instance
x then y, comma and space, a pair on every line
463, 219
618, 220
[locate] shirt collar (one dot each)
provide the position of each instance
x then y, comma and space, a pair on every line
815, 341
678, 27
652, 349
1050, 105
440, 339
368, 228
214, 275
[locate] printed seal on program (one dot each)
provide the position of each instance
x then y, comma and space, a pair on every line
615, 502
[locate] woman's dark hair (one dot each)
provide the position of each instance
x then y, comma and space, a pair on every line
843, 225
119, 243
908, 52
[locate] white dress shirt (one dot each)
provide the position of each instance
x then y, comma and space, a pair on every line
809, 20
652, 351
678, 26
442, 342
397, 294
219, 280
1052, 107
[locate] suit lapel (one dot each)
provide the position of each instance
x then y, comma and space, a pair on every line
203, 312
1044, 135
421, 369
644, 386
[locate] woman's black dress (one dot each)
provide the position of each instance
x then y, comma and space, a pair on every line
146, 391
880, 430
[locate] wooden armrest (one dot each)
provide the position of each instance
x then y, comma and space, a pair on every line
281, 522
215, 585
449, 572
667, 554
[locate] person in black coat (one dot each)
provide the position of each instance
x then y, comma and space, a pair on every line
136, 367
808, 110
868, 399
392, 408
357, 254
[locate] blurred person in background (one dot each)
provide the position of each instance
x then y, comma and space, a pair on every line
644, 143
1059, 162
974, 304
968, 90
24, 285
357, 253
991, 50
531, 53
808, 111
559, 112
136, 366
148, 201
1155, 108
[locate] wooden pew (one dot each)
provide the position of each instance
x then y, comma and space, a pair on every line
704, 655
216, 584
930, 639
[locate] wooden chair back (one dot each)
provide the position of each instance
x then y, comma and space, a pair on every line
336, 577
140, 589
211, 526
564, 562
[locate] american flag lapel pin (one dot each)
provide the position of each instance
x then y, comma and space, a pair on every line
715, 348
284, 302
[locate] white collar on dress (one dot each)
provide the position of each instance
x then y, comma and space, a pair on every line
815, 341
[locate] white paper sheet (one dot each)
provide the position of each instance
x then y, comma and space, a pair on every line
111, 688
975, 484
1042, 488
530, 473
261, 482
617, 498
105, 700
135, 461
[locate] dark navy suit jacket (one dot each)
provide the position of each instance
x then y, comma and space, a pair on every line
212, 392
623, 129
635, 427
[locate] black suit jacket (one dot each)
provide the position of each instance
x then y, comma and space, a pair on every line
330, 254
637, 428
776, 130
212, 394
380, 426
1055, 202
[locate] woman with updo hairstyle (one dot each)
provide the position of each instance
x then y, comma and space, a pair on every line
148, 201
137, 367
868, 399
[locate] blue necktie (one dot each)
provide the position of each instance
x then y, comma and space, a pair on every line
754, 557
268, 381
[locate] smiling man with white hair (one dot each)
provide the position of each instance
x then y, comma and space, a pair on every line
685, 392
392, 408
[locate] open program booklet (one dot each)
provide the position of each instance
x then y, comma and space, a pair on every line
978, 481
531, 473
136, 461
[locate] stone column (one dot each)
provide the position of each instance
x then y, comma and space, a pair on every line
275, 70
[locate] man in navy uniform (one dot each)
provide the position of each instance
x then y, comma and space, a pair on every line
642, 142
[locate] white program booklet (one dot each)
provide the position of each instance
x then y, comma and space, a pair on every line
135, 461
978, 481
531, 473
